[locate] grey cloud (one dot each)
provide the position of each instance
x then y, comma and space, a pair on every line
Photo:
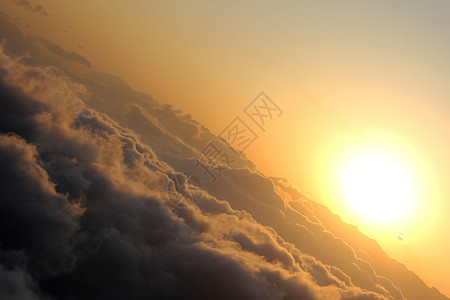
16, 284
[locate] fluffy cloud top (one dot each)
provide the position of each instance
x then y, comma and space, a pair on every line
84, 214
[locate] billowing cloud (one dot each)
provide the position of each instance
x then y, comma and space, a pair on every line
95, 195
16, 284
84, 214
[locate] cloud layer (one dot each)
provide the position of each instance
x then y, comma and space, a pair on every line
85, 212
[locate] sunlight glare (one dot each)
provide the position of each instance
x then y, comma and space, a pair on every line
378, 186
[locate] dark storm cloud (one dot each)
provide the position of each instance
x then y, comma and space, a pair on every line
85, 214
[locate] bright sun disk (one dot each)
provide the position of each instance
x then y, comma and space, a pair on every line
377, 186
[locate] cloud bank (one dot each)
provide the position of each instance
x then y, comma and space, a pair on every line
85, 212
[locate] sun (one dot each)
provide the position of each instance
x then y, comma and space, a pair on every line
377, 186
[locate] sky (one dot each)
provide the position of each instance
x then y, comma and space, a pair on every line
349, 76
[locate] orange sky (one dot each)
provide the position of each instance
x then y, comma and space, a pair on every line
347, 76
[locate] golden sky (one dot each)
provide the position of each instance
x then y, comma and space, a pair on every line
349, 76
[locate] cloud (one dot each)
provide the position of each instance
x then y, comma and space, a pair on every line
248, 237
38, 8
86, 202
60, 52
33, 218
24, 3
16, 284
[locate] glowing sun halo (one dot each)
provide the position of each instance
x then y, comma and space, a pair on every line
377, 186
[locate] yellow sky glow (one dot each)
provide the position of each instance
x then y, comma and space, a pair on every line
348, 84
